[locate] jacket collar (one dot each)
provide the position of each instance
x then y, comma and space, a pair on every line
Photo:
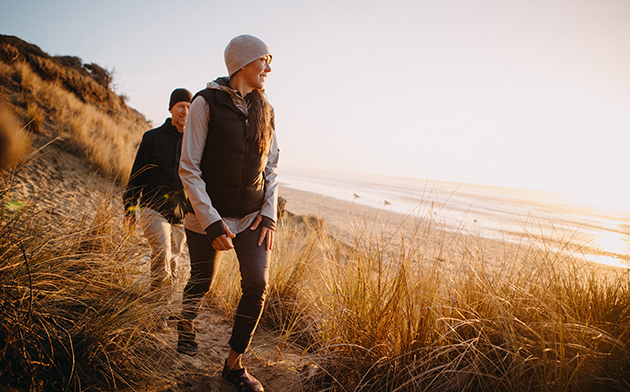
233, 97
170, 128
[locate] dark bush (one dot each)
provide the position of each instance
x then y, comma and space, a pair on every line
100, 75
71, 62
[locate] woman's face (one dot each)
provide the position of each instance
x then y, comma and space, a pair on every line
255, 73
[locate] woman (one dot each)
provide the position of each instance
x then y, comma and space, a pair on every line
228, 168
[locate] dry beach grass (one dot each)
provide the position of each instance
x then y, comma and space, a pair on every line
415, 307
370, 316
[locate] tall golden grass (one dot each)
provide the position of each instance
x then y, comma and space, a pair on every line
412, 315
379, 315
74, 314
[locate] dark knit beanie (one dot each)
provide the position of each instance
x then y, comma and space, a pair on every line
178, 95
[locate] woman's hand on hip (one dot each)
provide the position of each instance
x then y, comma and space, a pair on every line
266, 234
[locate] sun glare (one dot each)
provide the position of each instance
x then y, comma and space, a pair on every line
612, 242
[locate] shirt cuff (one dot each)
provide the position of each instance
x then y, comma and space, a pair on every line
268, 222
215, 230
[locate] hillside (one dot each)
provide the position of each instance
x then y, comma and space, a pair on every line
60, 97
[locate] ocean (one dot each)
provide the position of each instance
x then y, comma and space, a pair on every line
602, 236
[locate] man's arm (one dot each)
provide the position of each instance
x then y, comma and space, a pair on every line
138, 178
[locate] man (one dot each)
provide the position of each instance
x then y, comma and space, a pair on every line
154, 186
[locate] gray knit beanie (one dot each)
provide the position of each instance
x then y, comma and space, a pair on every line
242, 50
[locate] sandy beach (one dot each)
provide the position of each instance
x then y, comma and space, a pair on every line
349, 221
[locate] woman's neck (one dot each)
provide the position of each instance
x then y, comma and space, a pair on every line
237, 83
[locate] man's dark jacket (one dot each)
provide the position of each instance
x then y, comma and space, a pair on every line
154, 177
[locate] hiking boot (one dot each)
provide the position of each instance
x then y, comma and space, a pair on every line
244, 381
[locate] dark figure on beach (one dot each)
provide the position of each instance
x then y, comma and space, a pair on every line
154, 188
228, 168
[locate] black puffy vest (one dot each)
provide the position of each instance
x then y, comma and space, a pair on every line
231, 167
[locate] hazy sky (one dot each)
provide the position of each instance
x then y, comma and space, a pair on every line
528, 94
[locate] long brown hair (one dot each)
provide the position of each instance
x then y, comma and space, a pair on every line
259, 121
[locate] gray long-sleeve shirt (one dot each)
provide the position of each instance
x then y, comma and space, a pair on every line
193, 143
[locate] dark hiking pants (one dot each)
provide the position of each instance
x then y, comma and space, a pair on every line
254, 267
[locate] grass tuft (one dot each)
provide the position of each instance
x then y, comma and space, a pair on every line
75, 314
426, 309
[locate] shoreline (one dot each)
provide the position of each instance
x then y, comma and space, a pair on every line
490, 212
343, 218
348, 221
